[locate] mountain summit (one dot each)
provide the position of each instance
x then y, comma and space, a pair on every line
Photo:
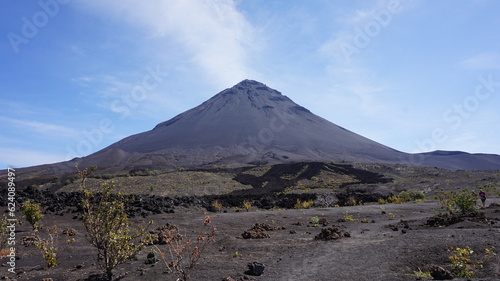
251, 123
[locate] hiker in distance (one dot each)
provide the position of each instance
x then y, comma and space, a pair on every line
482, 195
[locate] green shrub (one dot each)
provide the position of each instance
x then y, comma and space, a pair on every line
108, 227
419, 274
412, 195
348, 217
48, 250
382, 201
33, 213
395, 199
315, 220
463, 201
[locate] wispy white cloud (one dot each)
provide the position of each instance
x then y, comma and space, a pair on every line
216, 35
40, 127
358, 29
482, 61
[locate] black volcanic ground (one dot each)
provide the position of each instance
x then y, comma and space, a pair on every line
383, 242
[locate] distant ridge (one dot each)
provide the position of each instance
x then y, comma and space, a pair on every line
251, 124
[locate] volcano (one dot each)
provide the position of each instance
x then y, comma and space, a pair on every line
252, 124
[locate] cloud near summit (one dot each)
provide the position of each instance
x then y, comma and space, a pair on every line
215, 35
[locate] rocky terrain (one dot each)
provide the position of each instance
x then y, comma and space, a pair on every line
345, 234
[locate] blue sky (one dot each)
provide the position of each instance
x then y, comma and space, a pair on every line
414, 75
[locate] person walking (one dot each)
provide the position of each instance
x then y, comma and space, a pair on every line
482, 195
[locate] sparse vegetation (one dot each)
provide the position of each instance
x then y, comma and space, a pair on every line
420, 274
303, 204
183, 254
489, 253
352, 201
404, 196
247, 205
347, 217
4, 233
217, 205
461, 262
33, 213
315, 220
47, 248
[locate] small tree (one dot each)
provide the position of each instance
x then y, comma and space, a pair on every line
33, 213
412, 195
108, 227
465, 201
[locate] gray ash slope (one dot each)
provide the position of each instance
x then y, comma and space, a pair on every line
251, 123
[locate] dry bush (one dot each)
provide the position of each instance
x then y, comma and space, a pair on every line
183, 254
303, 204
217, 205
247, 205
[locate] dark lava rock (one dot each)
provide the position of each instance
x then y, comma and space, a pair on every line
255, 234
151, 259
331, 233
255, 269
447, 220
439, 273
323, 222
258, 231
162, 234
